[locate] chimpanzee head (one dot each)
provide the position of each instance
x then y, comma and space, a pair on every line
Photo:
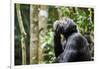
65, 26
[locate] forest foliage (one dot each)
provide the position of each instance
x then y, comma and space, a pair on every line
83, 17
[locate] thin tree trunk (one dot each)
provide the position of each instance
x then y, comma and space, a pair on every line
33, 34
23, 33
60, 13
43, 16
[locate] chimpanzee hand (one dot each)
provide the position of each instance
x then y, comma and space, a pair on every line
57, 28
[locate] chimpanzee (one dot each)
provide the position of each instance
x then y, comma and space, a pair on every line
69, 44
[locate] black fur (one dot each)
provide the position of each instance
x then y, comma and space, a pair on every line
73, 46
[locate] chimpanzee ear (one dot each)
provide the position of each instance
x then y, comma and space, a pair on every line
75, 27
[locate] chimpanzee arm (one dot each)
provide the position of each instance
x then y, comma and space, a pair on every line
57, 44
57, 39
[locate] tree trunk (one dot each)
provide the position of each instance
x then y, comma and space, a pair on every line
43, 16
33, 34
23, 33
